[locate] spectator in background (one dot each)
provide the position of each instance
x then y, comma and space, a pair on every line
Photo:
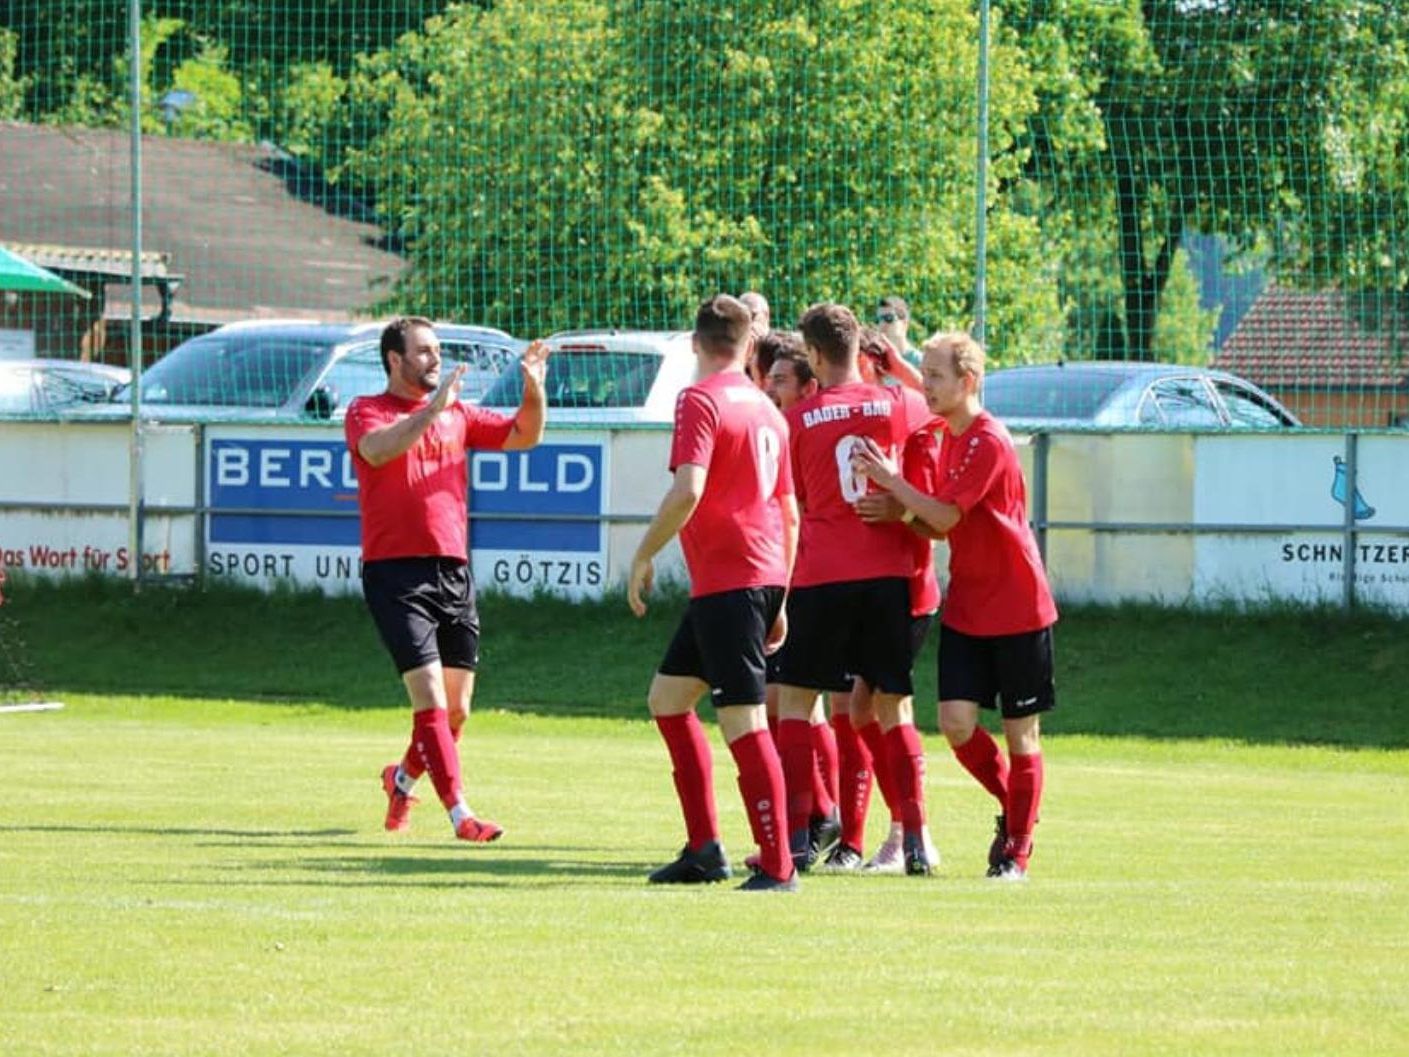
893, 320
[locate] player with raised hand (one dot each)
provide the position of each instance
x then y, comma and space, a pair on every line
995, 646
410, 450
731, 502
849, 601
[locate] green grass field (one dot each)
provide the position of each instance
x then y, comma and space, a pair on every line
191, 858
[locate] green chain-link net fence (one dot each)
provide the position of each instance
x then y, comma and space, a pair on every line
1207, 183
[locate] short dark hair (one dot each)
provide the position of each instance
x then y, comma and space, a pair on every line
722, 325
833, 331
774, 345
895, 304
394, 336
802, 368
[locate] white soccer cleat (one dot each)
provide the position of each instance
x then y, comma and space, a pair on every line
890, 856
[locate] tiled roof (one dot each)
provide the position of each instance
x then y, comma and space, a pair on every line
233, 219
1316, 340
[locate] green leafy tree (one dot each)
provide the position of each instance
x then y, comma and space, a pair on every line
668, 152
11, 87
1235, 117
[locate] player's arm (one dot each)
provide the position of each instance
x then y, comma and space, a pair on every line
528, 423
379, 446
869, 461
674, 511
902, 370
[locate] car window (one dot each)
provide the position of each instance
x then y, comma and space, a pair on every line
357, 373
1059, 393
585, 378
233, 370
1186, 403
1246, 410
483, 364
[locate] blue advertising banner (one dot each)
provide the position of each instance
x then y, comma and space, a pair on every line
287, 508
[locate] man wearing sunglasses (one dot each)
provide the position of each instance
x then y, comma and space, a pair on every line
893, 320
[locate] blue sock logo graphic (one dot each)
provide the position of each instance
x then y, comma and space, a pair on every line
1362, 509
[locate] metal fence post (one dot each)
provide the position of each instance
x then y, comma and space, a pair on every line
134, 340
1348, 523
980, 331
1041, 449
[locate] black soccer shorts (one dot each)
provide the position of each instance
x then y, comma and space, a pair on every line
1012, 673
856, 628
424, 610
720, 642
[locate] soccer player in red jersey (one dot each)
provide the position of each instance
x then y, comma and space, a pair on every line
410, 449
732, 504
995, 646
848, 606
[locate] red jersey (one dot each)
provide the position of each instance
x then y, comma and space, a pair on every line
919, 463
417, 505
997, 585
836, 545
734, 538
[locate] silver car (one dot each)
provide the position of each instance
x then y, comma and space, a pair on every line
1101, 395
47, 386
265, 369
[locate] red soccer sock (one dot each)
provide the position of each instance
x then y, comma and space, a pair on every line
694, 775
432, 742
761, 783
1024, 798
799, 768
411, 763
907, 763
824, 777
982, 758
856, 781
875, 741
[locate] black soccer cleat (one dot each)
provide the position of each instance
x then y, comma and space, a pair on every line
709, 865
763, 882
1007, 870
823, 834
800, 848
842, 859
999, 842
917, 860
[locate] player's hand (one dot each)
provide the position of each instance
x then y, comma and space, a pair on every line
777, 634
867, 460
638, 584
449, 390
874, 507
884, 360
533, 365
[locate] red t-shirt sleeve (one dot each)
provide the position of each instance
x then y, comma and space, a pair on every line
485, 429
974, 469
696, 422
362, 418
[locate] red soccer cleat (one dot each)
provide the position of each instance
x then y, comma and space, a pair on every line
398, 804
478, 830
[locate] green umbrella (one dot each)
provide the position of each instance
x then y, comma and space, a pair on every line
16, 273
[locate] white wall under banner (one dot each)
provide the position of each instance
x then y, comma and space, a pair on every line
1302, 481
1127, 517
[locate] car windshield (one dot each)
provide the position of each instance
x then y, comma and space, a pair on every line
584, 378
232, 370
1057, 393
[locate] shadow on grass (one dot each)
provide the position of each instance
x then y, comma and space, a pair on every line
188, 831
1276, 675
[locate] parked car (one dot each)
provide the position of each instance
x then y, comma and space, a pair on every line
38, 387
608, 377
266, 369
1112, 395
